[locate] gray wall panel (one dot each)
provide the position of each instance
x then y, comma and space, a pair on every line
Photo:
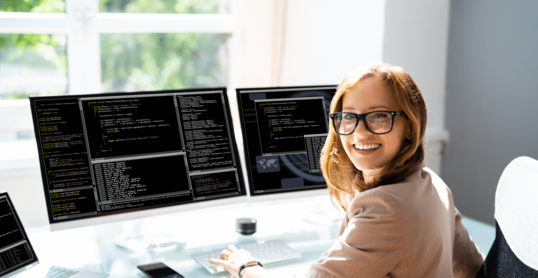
491, 97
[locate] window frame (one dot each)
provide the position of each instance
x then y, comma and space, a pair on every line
82, 24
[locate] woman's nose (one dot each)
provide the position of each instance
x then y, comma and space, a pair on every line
361, 129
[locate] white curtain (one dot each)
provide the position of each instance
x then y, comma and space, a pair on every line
259, 42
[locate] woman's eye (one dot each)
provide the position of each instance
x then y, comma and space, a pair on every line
348, 117
380, 116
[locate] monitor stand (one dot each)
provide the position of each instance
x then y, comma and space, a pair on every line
151, 241
323, 213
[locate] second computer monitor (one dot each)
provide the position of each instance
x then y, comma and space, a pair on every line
284, 130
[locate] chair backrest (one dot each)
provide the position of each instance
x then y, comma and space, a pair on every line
514, 252
516, 208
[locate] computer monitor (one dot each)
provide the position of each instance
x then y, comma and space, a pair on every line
284, 130
116, 156
16, 252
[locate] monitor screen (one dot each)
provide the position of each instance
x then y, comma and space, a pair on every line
16, 251
112, 153
284, 130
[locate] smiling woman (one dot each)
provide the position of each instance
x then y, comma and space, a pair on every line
400, 219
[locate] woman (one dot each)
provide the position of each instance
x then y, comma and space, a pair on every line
400, 219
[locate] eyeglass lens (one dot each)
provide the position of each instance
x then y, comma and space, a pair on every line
377, 122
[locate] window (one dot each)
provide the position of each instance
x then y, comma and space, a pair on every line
50, 47
154, 61
32, 64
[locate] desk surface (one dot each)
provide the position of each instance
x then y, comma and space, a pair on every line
93, 248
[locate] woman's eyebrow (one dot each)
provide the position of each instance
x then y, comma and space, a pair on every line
376, 107
371, 108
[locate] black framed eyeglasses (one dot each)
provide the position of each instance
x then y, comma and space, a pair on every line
377, 122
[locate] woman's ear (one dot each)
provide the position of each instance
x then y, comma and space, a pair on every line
409, 131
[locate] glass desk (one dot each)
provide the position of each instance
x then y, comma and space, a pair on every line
93, 248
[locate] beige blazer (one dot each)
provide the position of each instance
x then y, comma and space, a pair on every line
408, 229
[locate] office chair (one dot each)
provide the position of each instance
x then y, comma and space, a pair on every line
514, 252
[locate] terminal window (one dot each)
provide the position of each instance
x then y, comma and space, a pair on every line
206, 136
314, 144
282, 123
120, 126
119, 152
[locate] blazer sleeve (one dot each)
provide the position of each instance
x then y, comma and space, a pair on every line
467, 258
372, 243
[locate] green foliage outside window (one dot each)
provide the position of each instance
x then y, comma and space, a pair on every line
159, 6
132, 62
128, 61
27, 52
35, 6
24, 57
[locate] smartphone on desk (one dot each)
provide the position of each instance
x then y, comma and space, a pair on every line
159, 270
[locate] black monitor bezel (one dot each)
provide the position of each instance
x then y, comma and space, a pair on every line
245, 144
32, 100
35, 260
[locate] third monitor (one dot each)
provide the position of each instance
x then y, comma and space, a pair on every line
284, 130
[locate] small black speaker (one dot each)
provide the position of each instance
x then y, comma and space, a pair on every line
245, 226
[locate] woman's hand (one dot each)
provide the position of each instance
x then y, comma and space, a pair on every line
232, 258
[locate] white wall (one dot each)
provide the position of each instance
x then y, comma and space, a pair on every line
327, 39
416, 38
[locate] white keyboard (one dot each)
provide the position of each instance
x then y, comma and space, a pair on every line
267, 252
61, 272
58, 272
